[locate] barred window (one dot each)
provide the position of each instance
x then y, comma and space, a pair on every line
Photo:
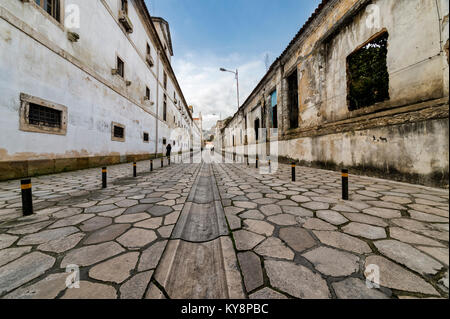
52, 7
44, 116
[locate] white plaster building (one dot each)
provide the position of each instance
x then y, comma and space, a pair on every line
86, 83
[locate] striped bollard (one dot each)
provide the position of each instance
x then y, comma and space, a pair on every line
134, 170
27, 197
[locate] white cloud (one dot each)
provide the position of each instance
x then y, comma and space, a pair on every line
211, 91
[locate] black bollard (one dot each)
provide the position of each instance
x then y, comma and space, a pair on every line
151, 165
345, 184
27, 197
162, 162
168, 160
293, 172
104, 179
257, 159
134, 169
270, 167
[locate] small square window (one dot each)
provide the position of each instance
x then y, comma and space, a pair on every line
146, 137
52, 7
164, 141
117, 132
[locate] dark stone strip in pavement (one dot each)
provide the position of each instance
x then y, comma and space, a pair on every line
202, 219
199, 261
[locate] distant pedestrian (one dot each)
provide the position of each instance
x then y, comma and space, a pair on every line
168, 150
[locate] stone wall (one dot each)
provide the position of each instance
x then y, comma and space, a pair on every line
403, 138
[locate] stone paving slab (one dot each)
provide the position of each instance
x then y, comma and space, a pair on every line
309, 243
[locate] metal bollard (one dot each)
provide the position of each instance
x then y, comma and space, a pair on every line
345, 184
293, 172
162, 162
257, 159
27, 197
270, 167
151, 165
134, 170
104, 179
168, 160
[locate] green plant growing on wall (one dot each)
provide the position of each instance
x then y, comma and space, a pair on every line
367, 74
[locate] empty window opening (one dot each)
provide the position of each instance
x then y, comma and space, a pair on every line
146, 137
292, 82
274, 109
44, 116
120, 67
52, 7
164, 141
165, 81
147, 93
148, 49
119, 132
367, 74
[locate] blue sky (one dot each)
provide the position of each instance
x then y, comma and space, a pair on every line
209, 34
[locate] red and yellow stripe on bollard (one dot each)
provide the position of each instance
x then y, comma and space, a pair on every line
27, 197
345, 184
293, 171
134, 170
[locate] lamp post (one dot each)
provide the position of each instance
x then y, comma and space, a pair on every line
237, 82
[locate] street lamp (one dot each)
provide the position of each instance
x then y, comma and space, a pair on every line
237, 82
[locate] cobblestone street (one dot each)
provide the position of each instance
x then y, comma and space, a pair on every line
223, 231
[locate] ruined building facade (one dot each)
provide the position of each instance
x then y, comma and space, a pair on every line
85, 84
363, 85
